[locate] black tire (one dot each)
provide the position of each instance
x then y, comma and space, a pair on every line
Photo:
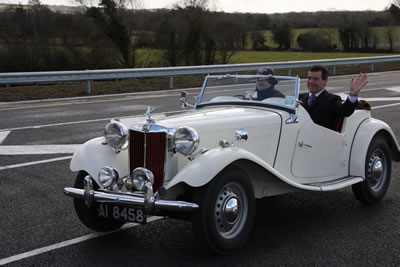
215, 224
378, 169
88, 216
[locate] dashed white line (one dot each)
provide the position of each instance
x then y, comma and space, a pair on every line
38, 149
67, 243
33, 163
386, 106
155, 115
3, 135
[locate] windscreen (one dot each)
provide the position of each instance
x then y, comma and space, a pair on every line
250, 89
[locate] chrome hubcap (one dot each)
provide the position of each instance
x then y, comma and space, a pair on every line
231, 210
376, 171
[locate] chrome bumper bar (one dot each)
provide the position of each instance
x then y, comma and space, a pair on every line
129, 200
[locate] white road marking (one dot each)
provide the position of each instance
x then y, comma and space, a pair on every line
54, 124
154, 116
386, 106
344, 96
67, 243
394, 88
38, 149
3, 135
378, 99
33, 163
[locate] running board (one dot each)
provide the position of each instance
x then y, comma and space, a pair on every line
338, 183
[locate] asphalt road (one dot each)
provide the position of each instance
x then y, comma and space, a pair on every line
38, 225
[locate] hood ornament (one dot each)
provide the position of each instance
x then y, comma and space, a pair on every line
148, 114
146, 126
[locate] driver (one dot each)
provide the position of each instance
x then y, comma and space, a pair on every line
265, 87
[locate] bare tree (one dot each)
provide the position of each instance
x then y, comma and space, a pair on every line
258, 40
394, 10
191, 29
226, 37
108, 17
330, 36
282, 35
390, 37
375, 40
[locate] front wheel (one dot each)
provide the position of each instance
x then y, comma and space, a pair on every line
88, 216
227, 209
378, 168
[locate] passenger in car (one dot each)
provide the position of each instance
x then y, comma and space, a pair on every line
265, 87
323, 106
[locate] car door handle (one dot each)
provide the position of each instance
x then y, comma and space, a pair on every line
301, 144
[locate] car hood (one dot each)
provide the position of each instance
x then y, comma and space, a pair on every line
216, 124
211, 120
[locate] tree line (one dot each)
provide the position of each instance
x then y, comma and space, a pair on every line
33, 37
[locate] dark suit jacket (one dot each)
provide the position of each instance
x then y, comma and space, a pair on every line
267, 93
327, 107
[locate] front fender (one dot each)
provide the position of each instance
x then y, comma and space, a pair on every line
207, 165
93, 155
367, 130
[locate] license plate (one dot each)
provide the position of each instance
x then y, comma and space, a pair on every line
120, 213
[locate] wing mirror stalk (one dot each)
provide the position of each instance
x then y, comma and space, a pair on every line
184, 100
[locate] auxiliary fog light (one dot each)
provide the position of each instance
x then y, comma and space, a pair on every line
141, 176
108, 176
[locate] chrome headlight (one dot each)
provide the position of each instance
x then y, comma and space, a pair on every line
186, 140
116, 135
108, 176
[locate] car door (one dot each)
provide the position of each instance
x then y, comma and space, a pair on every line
319, 153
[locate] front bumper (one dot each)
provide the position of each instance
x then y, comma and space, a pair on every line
149, 203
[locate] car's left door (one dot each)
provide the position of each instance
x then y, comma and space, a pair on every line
320, 154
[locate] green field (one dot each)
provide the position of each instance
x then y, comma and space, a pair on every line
261, 56
154, 57
380, 31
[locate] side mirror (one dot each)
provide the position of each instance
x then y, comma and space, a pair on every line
184, 103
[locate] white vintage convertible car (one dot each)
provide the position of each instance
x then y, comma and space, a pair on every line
211, 163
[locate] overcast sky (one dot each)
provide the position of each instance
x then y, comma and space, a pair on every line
259, 6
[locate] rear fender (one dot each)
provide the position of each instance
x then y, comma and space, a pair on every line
367, 130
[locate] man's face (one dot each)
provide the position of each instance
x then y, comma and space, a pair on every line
315, 84
263, 84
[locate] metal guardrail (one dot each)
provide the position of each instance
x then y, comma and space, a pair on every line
115, 74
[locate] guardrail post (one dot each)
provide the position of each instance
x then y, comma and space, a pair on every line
372, 67
289, 72
171, 82
334, 70
89, 87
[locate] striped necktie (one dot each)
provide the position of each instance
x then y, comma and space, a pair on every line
311, 99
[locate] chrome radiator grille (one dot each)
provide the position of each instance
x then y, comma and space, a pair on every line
148, 150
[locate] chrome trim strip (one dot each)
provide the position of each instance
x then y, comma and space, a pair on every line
132, 201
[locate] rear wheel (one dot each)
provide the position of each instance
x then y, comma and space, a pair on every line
378, 168
226, 214
88, 215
